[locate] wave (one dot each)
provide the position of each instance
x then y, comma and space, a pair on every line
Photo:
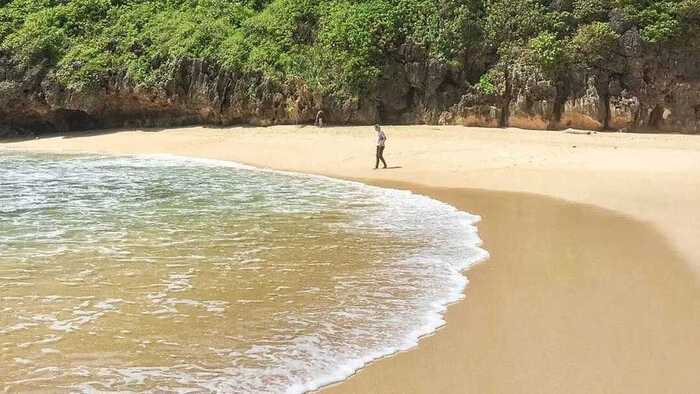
428, 276
433, 318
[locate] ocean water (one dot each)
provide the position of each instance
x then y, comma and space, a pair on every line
166, 274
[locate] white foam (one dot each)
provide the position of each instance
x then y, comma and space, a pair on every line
447, 258
23, 361
433, 318
17, 327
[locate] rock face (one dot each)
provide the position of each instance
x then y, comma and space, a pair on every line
198, 93
657, 89
413, 90
651, 89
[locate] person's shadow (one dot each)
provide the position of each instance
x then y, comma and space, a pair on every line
392, 168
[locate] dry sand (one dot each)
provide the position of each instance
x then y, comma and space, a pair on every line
593, 285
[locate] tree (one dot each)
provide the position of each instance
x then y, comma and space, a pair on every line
587, 11
547, 52
594, 44
511, 23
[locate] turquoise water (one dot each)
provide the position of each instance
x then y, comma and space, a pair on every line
172, 274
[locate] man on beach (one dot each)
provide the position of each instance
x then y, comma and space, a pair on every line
381, 139
319, 119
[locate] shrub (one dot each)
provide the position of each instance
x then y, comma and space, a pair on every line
593, 44
546, 52
486, 85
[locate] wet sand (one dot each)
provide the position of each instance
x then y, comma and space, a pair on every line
593, 285
574, 299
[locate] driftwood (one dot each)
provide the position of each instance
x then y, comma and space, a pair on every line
584, 132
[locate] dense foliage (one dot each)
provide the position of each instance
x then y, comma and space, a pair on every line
334, 46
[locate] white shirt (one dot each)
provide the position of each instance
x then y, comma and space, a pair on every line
381, 137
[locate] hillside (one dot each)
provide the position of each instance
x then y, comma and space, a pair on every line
596, 64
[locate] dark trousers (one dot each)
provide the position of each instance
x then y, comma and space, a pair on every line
380, 156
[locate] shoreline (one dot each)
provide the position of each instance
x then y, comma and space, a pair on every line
523, 326
471, 366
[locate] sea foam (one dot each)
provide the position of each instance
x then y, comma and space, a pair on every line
170, 207
404, 200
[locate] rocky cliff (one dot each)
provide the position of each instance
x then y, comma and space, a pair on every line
657, 89
652, 89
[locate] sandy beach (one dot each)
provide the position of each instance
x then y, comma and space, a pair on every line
593, 285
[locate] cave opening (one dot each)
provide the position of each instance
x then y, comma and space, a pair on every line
656, 117
66, 119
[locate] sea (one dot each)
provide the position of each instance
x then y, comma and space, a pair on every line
169, 274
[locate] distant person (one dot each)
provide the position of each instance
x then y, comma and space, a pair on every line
319, 119
381, 140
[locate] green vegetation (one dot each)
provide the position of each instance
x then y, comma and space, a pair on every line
594, 44
333, 46
486, 85
547, 52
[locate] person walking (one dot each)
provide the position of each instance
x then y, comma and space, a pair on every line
319, 118
381, 141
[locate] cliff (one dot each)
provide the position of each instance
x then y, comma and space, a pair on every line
632, 83
659, 92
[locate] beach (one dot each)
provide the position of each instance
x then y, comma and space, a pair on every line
593, 284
